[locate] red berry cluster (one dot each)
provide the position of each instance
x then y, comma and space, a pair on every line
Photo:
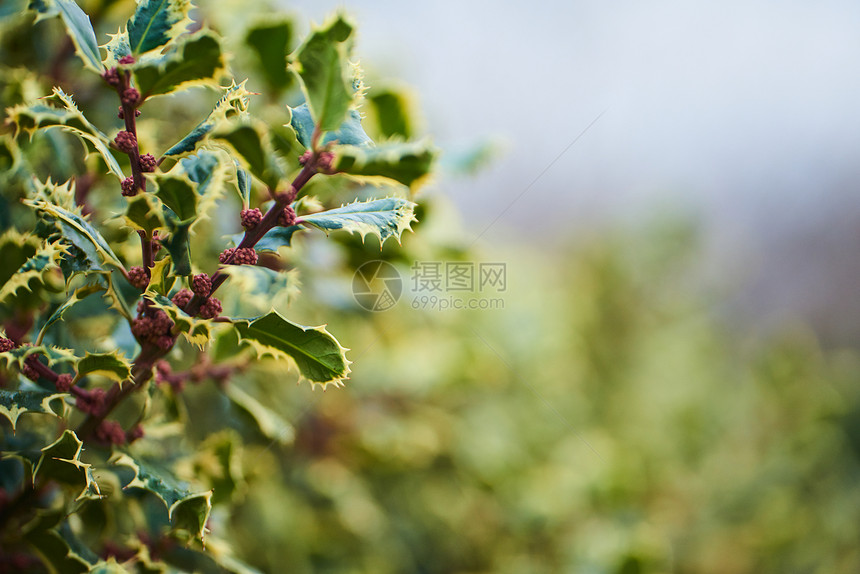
306, 157
128, 187
154, 328
182, 298
121, 114
238, 256
147, 163
64, 383
110, 433
287, 217
130, 97
92, 402
210, 309
6, 344
251, 218
111, 77
125, 142
201, 285
139, 277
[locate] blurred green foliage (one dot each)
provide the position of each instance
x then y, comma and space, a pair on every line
607, 420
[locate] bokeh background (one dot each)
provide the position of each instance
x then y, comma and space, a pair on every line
670, 383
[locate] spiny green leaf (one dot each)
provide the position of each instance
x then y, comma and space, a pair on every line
271, 425
111, 365
161, 280
255, 289
178, 245
77, 296
318, 355
406, 163
156, 22
234, 102
15, 403
217, 461
176, 191
350, 132
270, 40
116, 48
54, 355
29, 118
208, 171
61, 461
195, 60
186, 509
383, 218
79, 232
328, 78
78, 26
35, 268
243, 185
15, 249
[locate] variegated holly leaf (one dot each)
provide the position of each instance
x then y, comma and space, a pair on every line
350, 131
391, 110
61, 461
328, 77
78, 26
78, 231
29, 118
233, 103
35, 268
186, 509
254, 289
114, 366
145, 212
384, 218
15, 403
251, 142
54, 355
406, 163
317, 354
193, 60
156, 23
49, 533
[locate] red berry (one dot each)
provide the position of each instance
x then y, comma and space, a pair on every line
148, 163
64, 383
111, 77
306, 157
6, 344
139, 277
201, 285
128, 187
30, 372
238, 256
127, 60
182, 298
251, 218
325, 161
287, 217
210, 309
125, 142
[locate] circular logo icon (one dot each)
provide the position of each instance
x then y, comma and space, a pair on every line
377, 285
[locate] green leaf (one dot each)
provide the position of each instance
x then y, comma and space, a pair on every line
46, 534
243, 185
350, 132
78, 26
383, 218
111, 365
272, 240
79, 233
15, 403
270, 41
79, 295
161, 280
145, 212
234, 102
176, 191
391, 109
250, 140
406, 163
327, 76
255, 289
35, 268
317, 354
185, 509
54, 355
116, 48
29, 118
61, 461
178, 245
217, 461
157, 22
196, 60
271, 424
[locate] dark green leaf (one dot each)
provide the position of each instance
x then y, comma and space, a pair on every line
233, 102
111, 365
406, 163
271, 40
383, 218
156, 22
391, 110
350, 131
15, 403
77, 25
193, 61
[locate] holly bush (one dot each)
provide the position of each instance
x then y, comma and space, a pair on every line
154, 183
